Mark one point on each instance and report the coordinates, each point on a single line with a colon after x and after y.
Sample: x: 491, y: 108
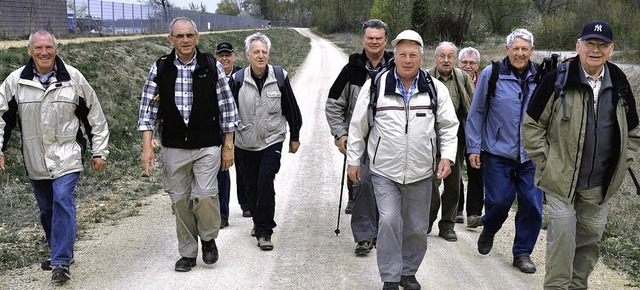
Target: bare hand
x: 474, y: 160
x: 227, y: 158
x: 341, y: 143
x: 98, y: 164
x: 354, y: 172
x: 293, y: 146
x: 148, y: 160
x: 444, y: 168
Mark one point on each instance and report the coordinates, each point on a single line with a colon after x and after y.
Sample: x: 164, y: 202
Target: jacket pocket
x: 272, y: 102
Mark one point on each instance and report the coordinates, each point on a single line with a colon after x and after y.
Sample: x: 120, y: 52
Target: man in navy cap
x: 583, y: 134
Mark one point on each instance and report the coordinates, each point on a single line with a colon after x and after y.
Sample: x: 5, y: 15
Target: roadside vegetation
x: 116, y: 70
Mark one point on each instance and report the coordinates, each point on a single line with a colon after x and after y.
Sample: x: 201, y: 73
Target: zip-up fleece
x: 402, y: 142
x: 50, y: 119
x: 557, y: 144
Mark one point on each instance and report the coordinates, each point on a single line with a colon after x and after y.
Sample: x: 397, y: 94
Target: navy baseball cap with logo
x: 224, y: 47
x: 597, y: 29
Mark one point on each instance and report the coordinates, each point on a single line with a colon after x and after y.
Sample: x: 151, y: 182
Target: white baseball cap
x: 408, y: 35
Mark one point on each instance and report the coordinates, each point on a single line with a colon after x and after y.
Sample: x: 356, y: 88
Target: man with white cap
x: 582, y: 131
x: 411, y: 114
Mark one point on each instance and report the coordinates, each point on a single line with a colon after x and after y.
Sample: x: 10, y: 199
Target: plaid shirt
x: 406, y: 94
x: 184, y: 97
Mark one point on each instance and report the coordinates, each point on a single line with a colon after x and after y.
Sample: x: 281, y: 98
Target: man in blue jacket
x: 494, y: 127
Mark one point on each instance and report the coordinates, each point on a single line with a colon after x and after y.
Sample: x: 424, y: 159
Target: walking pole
x: 344, y: 166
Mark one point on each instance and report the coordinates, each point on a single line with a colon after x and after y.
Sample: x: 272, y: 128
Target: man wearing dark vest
x: 187, y: 95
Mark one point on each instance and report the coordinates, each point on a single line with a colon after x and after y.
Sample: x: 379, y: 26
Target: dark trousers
x: 475, y: 191
x: 224, y: 192
x: 259, y: 170
x: 240, y: 190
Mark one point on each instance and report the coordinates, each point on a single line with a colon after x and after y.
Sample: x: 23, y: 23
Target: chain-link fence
x: 106, y: 17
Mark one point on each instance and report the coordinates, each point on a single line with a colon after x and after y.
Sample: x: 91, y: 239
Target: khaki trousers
x: 190, y: 179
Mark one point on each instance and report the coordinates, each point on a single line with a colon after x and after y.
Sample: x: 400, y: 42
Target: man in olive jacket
x: 582, y: 132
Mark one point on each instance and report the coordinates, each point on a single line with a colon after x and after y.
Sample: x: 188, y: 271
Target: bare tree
x: 550, y: 6
x: 163, y: 5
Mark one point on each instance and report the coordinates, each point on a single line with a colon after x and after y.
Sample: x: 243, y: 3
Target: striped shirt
x: 184, y: 97
x: 406, y: 94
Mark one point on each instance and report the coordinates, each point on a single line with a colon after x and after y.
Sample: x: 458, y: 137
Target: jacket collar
x: 360, y: 59
x: 390, y: 84
x: 62, y: 75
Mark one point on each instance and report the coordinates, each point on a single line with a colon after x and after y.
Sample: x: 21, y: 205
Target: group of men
x: 566, y: 137
x: 403, y: 130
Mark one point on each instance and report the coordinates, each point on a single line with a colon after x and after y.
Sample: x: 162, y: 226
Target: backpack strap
x: 559, y: 92
x: 279, y: 76
x: 373, y: 97
x: 495, y: 70
x: 277, y: 70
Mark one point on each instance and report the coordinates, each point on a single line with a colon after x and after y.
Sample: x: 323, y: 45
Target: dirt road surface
x: 140, y: 252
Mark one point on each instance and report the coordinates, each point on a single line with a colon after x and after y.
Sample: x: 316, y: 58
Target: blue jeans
x: 259, y: 170
x: 56, y: 201
x: 504, y: 180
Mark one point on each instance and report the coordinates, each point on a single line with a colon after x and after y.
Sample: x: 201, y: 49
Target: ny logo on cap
x: 597, y: 28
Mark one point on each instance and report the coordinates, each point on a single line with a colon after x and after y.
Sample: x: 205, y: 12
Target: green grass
x: 116, y: 70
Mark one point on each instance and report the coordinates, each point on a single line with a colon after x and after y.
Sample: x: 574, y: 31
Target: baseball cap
x: 597, y: 29
x: 224, y: 47
x: 408, y: 35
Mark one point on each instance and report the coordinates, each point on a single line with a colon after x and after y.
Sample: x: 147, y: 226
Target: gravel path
x: 139, y: 252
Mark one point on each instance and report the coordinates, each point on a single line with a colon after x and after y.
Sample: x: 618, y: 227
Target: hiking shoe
x: 224, y: 223
x: 349, y: 208
x: 209, y: 252
x: 459, y: 218
x: 485, y: 243
x: 185, y: 264
x: 46, y: 264
x: 524, y: 264
x: 409, y: 282
x: 474, y: 221
x: 246, y: 213
x: 391, y: 286
x: 60, y: 274
x: 448, y: 234
x: 265, y: 243
x: 363, y: 248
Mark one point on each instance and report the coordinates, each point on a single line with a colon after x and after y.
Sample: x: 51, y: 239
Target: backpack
x: 373, y: 96
x: 277, y: 70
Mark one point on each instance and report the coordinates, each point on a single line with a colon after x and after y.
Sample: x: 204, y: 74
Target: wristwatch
x: 228, y: 146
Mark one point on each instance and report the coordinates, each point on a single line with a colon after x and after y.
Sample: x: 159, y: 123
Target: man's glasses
x: 468, y: 62
x: 182, y: 36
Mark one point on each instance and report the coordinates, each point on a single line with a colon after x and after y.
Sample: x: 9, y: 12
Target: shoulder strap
x: 559, y: 92
x: 373, y: 96
x: 279, y: 76
x: 495, y: 70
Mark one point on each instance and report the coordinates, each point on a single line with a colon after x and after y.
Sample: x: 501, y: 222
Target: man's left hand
x: 293, y: 146
x: 444, y: 168
x: 98, y: 164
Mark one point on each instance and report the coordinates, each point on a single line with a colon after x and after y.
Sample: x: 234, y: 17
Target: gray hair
x: 522, y: 34
x: 469, y: 51
x: 455, y: 48
x: 42, y: 31
x: 377, y: 24
x: 256, y: 37
x: 193, y: 24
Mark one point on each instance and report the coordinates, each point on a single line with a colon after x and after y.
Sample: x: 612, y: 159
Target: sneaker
x: 391, y: 286
x: 485, y: 243
x: 409, y: 282
x: 524, y: 264
x: 60, y: 274
x: 349, y: 208
x: 224, y: 223
x: 474, y: 221
x: 46, y: 264
x: 459, y: 218
x: 448, y: 234
x: 185, y: 264
x: 209, y: 252
x: 363, y: 248
x: 265, y: 243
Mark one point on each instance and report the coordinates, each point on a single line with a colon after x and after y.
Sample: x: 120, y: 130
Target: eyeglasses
x: 445, y: 56
x: 594, y: 44
x: 182, y: 36
x: 468, y: 62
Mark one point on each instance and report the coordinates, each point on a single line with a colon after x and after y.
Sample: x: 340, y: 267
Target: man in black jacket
x: 340, y: 104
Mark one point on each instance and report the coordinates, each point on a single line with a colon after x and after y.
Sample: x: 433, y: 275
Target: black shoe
x: 253, y: 231
x: 209, y: 252
x: 46, y: 264
x: 363, y: 248
x: 459, y: 218
x: 60, y: 274
x: 185, y: 264
x: 224, y: 223
x: 409, y: 282
x: 524, y: 264
x: 265, y: 243
x: 391, y: 286
x: 449, y: 235
x: 485, y: 243
x: 246, y: 213
x: 349, y: 208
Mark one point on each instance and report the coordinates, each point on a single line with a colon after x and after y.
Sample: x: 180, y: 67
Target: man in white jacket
x: 402, y: 149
